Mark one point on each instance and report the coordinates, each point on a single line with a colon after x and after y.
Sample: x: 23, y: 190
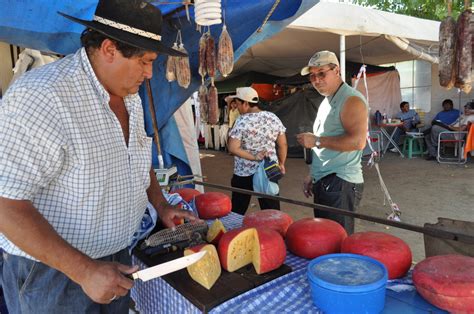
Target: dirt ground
x: 424, y: 190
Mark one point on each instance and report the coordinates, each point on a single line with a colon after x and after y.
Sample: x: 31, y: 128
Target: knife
x: 166, y: 268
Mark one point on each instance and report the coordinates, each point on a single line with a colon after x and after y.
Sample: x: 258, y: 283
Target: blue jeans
x: 336, y: 192
x: 33, y: 287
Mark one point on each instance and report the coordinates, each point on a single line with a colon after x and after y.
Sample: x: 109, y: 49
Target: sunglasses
x: 319, y: 75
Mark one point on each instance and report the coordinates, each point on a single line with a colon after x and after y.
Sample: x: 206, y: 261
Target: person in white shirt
x: 255, y: 135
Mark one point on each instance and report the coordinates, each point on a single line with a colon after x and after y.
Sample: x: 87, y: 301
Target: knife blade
x: 166, y: 268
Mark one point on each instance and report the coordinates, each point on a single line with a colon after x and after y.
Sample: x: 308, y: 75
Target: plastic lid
x: 347, y: 272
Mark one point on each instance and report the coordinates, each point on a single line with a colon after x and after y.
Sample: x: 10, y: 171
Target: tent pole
x: 151, y: 107
x: 342, y: 56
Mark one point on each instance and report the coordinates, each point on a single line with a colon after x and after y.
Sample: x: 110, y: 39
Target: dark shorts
x: 33, y: 287
x: 336, y: 192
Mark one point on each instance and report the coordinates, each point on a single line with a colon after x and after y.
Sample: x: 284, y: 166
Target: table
x: 287, y: 294
x: 389, y: 136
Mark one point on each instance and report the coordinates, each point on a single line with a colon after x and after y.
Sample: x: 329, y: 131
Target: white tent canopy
x: 371, y: 36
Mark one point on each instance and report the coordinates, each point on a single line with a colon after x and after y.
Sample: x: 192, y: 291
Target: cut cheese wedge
x: 262, y: 247
x: 207, y: 270
x: 215, y: 232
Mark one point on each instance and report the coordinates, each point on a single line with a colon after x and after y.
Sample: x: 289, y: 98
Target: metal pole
x: 156, y: 136
x: 437, y: 233
x: 342, y: 56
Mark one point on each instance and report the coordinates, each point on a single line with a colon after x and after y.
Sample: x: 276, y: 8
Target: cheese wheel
x: 262, y: 247
x: 447, y: 281
x: 187, y: 194
x: 269, y: 218
x: 313, y: 237
x: 207, y: 270
x: 391, y: 251
x: 215, y: 232
x: 212, y: 205
x: 269, y: 251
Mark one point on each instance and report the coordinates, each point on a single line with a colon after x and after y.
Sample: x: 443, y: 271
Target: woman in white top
x: 255, y: 135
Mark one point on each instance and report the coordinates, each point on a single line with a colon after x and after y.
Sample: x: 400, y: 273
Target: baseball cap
x: 319, y: 59
x: 246, y: 93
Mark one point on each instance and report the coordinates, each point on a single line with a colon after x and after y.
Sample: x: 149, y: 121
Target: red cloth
x: 268, y: 92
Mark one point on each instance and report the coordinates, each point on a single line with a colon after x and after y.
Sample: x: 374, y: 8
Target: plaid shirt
x: 62, y: 148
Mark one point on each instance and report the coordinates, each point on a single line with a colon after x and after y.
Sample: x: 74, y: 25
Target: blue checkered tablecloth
x: 287, y: 294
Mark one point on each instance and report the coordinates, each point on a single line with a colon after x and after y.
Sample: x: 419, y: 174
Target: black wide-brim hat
x: 134, y: 22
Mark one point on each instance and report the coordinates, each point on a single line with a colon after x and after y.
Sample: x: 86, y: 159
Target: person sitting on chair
x: 410, y: 119
x: 459, y: 125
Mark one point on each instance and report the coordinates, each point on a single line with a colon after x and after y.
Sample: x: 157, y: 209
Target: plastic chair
x: 458, y: 138
x: 413, y: 145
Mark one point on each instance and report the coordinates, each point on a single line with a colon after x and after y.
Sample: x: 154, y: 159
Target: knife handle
x: 130, y: 276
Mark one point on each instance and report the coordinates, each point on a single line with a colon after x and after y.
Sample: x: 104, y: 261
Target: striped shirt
x: 62, y: 148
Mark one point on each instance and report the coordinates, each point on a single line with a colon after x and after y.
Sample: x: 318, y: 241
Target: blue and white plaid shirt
x: 62, y: 148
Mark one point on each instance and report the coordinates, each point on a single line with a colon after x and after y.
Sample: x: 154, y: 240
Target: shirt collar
x: 86, y: 65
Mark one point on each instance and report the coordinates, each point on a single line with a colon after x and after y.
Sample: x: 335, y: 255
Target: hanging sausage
x: 210, y: 56
x: 463, y: 62
x: 202, y: 56
x: 225, y: 53
x: 447, y: 54
x: 183, y: 71
x: 213, y: 107
x: 170, y: 66
x: 202, y: 94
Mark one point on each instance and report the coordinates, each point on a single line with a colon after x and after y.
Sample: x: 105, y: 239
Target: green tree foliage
x: 426, y: 9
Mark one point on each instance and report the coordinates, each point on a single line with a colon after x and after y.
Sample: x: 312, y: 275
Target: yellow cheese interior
x: 207, y: 270
x: 256, y: 254
x: 240, y: 252
x: 214, y: 230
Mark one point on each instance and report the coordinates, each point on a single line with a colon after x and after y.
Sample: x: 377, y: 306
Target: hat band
x: 127, y: 28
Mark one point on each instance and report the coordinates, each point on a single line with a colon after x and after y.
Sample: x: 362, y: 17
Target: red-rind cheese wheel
x: 447, y: 281
x: 187, y: 194
x: 212, y: 205
x: 313, y: 237
x: 270, y: 250
x: 269, y: 218
x: 262, y: 247
x: 391, y: 251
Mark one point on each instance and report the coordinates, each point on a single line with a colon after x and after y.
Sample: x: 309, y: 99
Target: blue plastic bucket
x: 347, y: 283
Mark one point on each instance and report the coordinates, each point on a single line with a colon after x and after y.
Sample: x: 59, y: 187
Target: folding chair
x: 458, y: 138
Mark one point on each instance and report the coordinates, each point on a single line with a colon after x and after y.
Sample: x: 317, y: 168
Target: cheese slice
x: 207, y: 270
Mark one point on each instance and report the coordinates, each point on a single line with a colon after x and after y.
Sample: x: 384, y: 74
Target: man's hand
x: 104, y: 282
x: 308, y: 186
x: 168, y: 213
x: 307, y: 140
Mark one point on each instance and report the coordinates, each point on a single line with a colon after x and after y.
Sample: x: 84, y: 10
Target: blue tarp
x: 35, y: 24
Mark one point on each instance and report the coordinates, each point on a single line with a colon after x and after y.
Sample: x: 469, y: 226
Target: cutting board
x: 229, y: 285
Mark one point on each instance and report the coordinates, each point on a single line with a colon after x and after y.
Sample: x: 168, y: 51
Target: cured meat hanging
x: 202, y: 56
x: 202, y: 93
x: 463, y: 62
x: 447, y: 43
x: 181, y: 64
x: 213, y: 107
x: 183, y: 72
x: 210, y: 56
x: 170, y: 66
x: 225, y: 53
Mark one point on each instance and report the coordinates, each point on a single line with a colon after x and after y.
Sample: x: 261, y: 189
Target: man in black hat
x: 75, y: 168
